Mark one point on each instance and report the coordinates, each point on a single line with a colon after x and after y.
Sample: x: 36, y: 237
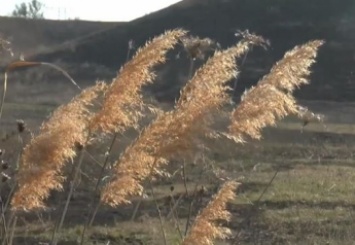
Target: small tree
x: 32, y: 10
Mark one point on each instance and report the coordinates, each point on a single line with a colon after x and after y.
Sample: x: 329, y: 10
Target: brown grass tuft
x: 196, y: 48
x: 174, y: 132
x: 118, y: 111
x: 45, y: 156
x: 271, y: 99
x: 205, y: 230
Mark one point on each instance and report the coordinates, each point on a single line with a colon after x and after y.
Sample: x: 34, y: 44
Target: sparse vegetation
x: 181, y: 198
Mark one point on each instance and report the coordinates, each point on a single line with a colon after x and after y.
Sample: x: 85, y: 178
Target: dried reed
x: 174, y: 132
x: 205, y: 230
x: 120, y: 104
x: 123, y: 97
x: 271, y: 99
x: 70, y: 125
x: 45, y: 156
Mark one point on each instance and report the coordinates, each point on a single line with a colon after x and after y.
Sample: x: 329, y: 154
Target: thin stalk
x: 93, y: 159
x: 159, y: 213
x: 175, y: 206
x: 12, y: 230
x: 184, y: 177
x: 9, y: 198
x: 71, y: 191
x: 191, y: 68
x: 267, y: 187
x: 93, y: 211
x: 5, y: 237
x: 13, y: 187
x: 141, y: 199
x: 192, y: 203
x: 135, y: 211
x: 257, y: 202
x: 190, y: 209
x: 21, y: 141
x: 18, y: 64
x: 90, y: 221
x: 236, y: 80
x: 3, y: 220
x: 176, y: 217
x: 183, y: 166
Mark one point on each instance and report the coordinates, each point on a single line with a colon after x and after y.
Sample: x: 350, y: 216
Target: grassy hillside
x: 285, y: 23
x: 33, y: 36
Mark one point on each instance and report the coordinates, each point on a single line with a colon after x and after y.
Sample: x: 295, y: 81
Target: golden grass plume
x: 205, y: 229
x: 271, y: 99
x: 46, y: 154
x: 173, y: 132
x: 71, y: 124
x: 118, y: 110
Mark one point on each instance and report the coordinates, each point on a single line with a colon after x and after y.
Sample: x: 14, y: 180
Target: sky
x: 96, y: 10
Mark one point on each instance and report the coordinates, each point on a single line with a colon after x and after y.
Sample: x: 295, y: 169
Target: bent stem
x: 17, y: 64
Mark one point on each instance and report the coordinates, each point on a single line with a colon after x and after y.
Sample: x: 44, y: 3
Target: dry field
x: 294, y: 182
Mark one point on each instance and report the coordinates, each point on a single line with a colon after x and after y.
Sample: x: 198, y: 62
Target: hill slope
x: 285, y: 23
x: 30, y: 36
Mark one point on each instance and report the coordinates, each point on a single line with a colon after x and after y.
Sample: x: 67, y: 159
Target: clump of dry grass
x: 174, y: 132
x: 123, y: 97
x: 72, y: 124
x: 197, y: 47
x: 272, y: 98
x: 205, y: 228
x: 45, y: 156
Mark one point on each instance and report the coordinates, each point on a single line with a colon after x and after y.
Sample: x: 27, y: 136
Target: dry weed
x: 271, y: 99
x: 205, y: 228
x: 119, y: 110
x: 174, y: 132
x: 45, y: 156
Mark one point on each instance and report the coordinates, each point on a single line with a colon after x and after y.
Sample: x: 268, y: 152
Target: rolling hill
x: 285, y: 23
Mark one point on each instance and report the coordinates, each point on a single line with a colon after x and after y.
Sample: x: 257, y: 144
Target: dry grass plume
x: 123, y: 97
x: 271, y: 99
x: 205, y: 228
x: 174, y: 132
x: 46, y: 154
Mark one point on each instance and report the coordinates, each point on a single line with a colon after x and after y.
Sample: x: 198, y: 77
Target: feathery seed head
x: 45, y: 156
x: 205, y: 230
x: 271, y: 99
x: 175, y: 132
x: 123, y: 97
x: 291, y: 72
x: 208, y: 83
